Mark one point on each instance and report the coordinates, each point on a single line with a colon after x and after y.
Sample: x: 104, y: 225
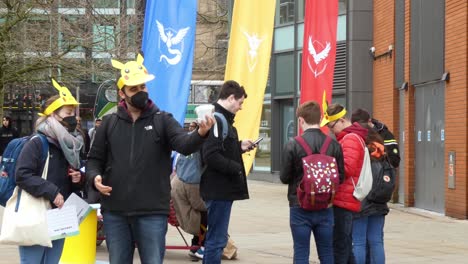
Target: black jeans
x: 342, y: 236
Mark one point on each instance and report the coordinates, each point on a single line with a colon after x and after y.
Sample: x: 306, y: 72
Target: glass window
x: 284, y: 74
x: 36, y: 35
x: 106, y: 4
x: 71, y: 28
x: 132, y: 35
x: 262, y: 156
x: 287, y: 122
x: 130, y: 3
x: 299, y: 72
x: 285, y: 12
x: 341, y: 28
x: 342, y: 7
x: 300, y: 10
x: 284, y: 38
x: 103, y: 37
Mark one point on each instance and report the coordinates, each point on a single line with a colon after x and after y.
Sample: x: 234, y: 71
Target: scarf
x: 69, y: 144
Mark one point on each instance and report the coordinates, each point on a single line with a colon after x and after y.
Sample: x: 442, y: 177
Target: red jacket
x: 353, y: 154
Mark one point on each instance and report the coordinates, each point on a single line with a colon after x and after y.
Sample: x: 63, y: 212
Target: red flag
x: 319, y: 49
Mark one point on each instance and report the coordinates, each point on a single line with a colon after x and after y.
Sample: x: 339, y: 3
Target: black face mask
x: 139, y: 100
x: 69, y: 122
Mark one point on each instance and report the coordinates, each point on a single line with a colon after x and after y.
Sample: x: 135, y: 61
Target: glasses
x: 334, y: 124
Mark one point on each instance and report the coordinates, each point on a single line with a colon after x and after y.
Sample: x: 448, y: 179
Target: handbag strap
x: 43, y: 176
x: 45, y: 171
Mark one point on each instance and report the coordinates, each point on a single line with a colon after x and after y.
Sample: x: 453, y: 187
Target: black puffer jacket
x: 224, y: 177
x: 29, y: 171
x: 134, y: 158
x: 291, y: 166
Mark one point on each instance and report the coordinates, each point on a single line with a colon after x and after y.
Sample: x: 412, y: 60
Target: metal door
x: 430, y: 147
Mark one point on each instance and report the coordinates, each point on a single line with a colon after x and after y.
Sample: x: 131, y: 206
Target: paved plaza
x: 260, y: 228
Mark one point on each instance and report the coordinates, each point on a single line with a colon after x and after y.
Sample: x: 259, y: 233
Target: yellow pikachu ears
x: 326, y: 118
x: 132, y: 73
x: 66, y: 98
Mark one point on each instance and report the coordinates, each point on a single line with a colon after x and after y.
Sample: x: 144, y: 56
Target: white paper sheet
x: 62, y: 222
x: 82, y: 207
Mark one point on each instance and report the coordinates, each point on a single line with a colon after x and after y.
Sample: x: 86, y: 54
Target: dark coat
x: 291, y: 167
x: 224, y: 177
x: 391, y: 145
x: 7, y: 134
x: 29, y: 171
x: 134, y: 158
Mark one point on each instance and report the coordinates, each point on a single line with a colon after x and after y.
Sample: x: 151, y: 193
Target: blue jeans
x: 342, y: 236
x: 40, y: 254
x: 123, y: 232
x: 216, y: 238
x: 368, y: 234
x: 302, y: 224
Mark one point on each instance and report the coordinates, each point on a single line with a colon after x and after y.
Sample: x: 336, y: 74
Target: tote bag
x: 364, y: 184
x: 24, y: 218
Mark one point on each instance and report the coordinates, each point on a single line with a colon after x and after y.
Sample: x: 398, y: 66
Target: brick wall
x: 386, y: 100
x: 456, y: 200
x: 386, y: 97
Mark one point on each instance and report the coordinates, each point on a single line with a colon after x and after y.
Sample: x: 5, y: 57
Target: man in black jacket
x: 391, y: 145
x: 302, y: 222
x: 130, y: 164
x: 7, y: 133
x: 224, y: 179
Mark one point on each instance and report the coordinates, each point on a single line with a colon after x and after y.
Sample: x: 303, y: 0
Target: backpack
x: 224, y: 123
x: 316, y: 190
x: 8, y: 164
x: 364, y: 184
x: 383, y: 182
x: 189, y: 168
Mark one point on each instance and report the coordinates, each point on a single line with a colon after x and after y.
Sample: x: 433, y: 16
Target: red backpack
x: 316, y: 190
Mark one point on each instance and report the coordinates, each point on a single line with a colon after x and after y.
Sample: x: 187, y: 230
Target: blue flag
x: 168, y: 48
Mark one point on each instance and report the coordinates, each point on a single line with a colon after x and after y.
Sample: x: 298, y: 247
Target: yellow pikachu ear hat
x: 132, y: 73
x: 66, y: 98
x: 326, y: 118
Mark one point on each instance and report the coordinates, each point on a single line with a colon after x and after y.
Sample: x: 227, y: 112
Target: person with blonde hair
x: 57, y: 123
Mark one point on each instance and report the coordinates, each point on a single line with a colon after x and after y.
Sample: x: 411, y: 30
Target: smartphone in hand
x: 257, y: 141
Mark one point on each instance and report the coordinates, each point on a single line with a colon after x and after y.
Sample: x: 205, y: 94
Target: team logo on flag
x: 254, y: 44
x: 319, y: 59
x: 174, y: 41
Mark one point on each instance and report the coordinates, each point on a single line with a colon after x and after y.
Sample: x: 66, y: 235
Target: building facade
x: 404, y: 61
x: 421, y: 93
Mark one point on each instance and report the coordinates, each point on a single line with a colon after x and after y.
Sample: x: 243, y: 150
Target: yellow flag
x: 248, y: 62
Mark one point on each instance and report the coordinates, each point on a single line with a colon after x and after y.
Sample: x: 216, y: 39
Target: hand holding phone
x: 257, y: 141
